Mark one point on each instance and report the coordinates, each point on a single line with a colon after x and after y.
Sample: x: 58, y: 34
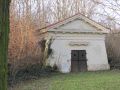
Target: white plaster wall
x: 77, y: 25
x: 96, y: 51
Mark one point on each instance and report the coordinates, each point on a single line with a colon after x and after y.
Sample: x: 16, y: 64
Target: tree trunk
x: 4, y: 35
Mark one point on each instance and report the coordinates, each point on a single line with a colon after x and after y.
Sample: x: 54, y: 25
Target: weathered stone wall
x: 94, y: 44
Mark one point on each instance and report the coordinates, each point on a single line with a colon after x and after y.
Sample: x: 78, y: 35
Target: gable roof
x: 99, y: 27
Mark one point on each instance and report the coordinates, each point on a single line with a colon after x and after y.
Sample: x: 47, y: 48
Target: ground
x: 101, y: 80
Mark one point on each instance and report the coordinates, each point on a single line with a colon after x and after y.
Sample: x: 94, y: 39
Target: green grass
x: 102, y: 80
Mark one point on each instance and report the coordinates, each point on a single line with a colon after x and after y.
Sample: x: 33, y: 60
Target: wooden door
x: 74, y: 60
x: 78, y: 60
x: 82, y: 66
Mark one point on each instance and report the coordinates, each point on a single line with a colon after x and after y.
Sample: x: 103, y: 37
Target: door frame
x: 78, y: 61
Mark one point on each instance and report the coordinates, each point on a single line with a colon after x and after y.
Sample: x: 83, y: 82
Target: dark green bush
x: 114, y: 63
x: 55, y: 68
x: 31, y: 72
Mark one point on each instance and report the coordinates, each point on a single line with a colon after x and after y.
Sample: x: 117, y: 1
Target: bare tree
x: 31, y: 15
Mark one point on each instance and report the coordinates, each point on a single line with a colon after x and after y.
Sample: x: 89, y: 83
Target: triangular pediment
x: 78, y: 23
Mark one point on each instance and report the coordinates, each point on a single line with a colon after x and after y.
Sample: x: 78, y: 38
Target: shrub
x: 30, y: 72
x: 55, y: 68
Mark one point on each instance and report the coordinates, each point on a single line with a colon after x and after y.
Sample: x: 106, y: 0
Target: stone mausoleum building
x: 77, y: 44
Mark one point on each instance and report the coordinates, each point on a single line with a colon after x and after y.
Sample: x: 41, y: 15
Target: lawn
x: 102, y: 80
